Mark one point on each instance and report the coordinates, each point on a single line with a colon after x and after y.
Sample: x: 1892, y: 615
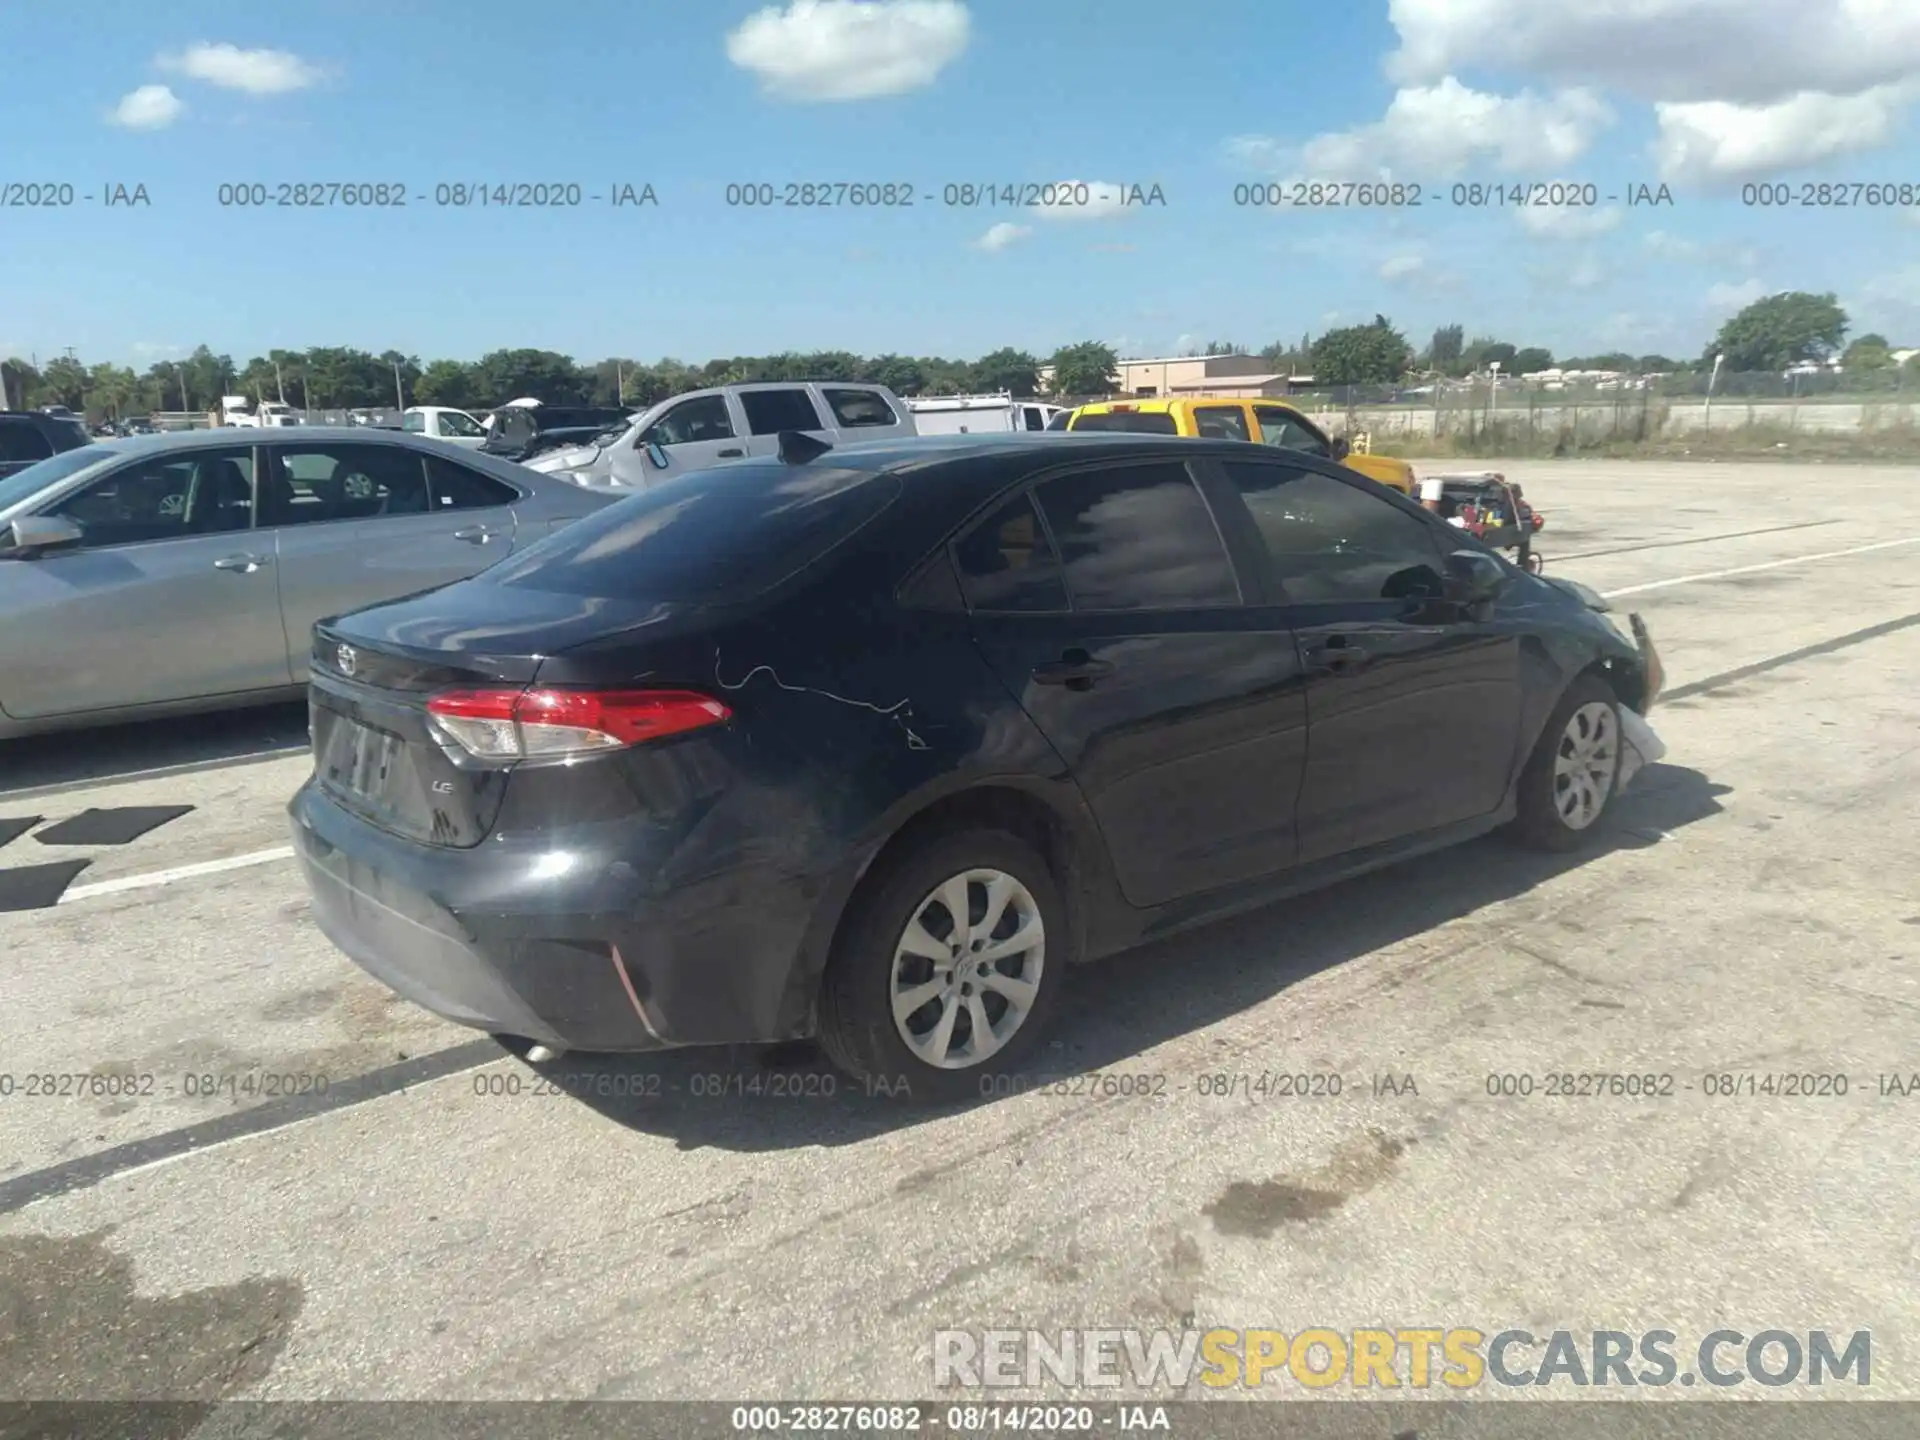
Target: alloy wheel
x: 966, y: 969
x: 1585, y: 763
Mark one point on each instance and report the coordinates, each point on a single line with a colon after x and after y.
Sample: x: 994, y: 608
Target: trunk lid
x: 376, y: 751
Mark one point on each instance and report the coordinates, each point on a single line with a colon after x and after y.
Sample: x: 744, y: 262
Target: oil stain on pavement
x: 73, y: 1327
x: 1257, y: 1208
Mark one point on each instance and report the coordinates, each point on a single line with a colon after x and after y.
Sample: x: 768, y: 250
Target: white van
x: 978, y: 414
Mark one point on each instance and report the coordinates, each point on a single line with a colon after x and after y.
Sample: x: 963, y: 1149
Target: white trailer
x: 978, y: 414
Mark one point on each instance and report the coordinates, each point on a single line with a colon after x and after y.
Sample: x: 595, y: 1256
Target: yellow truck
x: 1264, y: 422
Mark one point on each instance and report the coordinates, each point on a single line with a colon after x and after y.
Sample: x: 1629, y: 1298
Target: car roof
x: 239, y: 436
x: 1167, y: 404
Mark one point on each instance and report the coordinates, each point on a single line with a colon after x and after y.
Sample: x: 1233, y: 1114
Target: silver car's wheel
x: 1585, y: 763
x: 966, y: 970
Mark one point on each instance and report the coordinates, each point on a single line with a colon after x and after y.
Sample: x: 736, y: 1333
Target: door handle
x: 474, y: 534
x: 1076, y: 670
x: 733, y: 453
x: 245, y: 564
x: 1336, y: 655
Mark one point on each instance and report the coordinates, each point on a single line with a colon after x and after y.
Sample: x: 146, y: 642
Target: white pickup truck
x: 978, y: 414
x: 443, y: 422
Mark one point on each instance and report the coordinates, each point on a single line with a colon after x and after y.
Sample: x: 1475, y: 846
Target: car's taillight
x: 541, y: 724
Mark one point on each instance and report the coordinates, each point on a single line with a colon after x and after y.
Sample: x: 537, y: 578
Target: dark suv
x: 520, y: 432
x: 27, y: 437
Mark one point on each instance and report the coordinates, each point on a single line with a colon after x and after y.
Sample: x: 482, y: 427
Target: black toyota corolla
x: 870, y: 744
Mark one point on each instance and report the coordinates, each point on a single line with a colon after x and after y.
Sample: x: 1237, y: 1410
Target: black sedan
x: 870, y: 744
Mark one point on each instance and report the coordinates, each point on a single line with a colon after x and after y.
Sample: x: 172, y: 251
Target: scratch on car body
x: 900, y: 712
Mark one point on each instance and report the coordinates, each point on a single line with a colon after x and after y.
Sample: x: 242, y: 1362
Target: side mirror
x: 657, y: 455
x: 1476, y: 578
x: 1342, y: 448
x: 34, y: 535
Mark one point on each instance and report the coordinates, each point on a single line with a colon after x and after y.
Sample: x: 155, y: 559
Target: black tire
x: 1538, y: 821
x: 857, y: 1028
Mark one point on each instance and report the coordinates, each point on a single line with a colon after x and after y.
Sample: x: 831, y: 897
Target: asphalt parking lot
x: 405, y: 1225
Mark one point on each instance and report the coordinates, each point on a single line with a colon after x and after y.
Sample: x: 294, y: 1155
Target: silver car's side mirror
x: 657, y: 455
x: 33, y: 535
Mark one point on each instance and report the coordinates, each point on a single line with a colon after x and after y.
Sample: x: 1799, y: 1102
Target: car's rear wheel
x: 946, y: 973
x: 1574, y: 771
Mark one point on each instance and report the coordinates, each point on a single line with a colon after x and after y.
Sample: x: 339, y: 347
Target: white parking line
x: 1750, y: 569
x: 179, y: 872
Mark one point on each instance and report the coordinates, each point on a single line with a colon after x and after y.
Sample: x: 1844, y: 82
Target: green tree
x: 1869, y: 352
x: 447, y: 382
x: 1008, y: 369
x: 901, y: 374
x: 64, y: 382
x: 21, y: 383
x: 1781, y: 330
x: 1912, y: 367
x: 1087, y: 368
x: 1449, y: 342
x: 1530, y: 361
x: 1372, y: 354
x: 1657, y: 365
x: 544, y: 375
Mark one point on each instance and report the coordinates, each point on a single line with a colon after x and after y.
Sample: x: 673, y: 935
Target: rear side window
x: 1130, y: 422
x: 21, y: 442
x: 1007, y: 563
x: 1138, y: 538
x: 853, y: 409
x: 771, y: 411
x: 717, y: 535
x: 413, y: 424
x: 1220, y: 422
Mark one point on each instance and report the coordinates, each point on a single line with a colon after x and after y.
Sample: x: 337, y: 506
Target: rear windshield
x: 1131, y: 422
x: 725, y: 534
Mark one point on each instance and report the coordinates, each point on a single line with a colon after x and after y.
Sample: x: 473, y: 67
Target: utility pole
x: 399, y: 399
x: 620, y: 382
x: 279, y: 382
x: 180, y: 374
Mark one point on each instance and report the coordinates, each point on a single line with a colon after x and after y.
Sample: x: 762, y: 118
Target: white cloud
x: 151, y: 107
x: 1912, y: 216
x: 1441, y: 129
x: 1330, y: 317
x: 1673, y: 247
x: 999, y: 237
x: 1724, y: 298
x: 253, y: 72
x: 1749, y: 51
x: 1586, y: 275
x: 850, y: 49
x: 144, y: 347
x: 1401, y: 267
x: 1083, y: 200
x: 1717, y: 141
x: 1555, y: 223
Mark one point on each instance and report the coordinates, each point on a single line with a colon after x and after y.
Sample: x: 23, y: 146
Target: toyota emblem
x: 346, y: 659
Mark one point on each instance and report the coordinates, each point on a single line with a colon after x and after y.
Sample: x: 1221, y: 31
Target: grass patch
x: 1602, y: 441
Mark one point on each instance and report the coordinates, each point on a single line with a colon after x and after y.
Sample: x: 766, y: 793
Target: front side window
x: 459, y: 424
x: 1332, y: 542
x: 771, y: 411
x: 691, y: 421
x: 1138, y: 538
x: 855, y: 409
x: 1035, y: 418
x: 1220, y: 422
x: 1006, y: 562
x: 1284, y: 430
x: 309, y: 483
x: 194, y: 492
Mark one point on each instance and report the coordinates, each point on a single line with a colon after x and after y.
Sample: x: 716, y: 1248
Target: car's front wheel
x: 948, y: 969
x: 1574, y: 771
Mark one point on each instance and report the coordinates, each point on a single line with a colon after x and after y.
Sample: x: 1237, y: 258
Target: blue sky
x: 1704, y: 95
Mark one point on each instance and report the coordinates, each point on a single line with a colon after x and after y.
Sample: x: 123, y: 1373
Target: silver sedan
x: 184, y: 572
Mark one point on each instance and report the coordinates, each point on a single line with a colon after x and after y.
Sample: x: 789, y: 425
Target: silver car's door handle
x: 731, y: 453
x: 245, y: 564
x: 474, y: 534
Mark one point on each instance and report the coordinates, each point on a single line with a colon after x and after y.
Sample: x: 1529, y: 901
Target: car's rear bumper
x: 584, y: 960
